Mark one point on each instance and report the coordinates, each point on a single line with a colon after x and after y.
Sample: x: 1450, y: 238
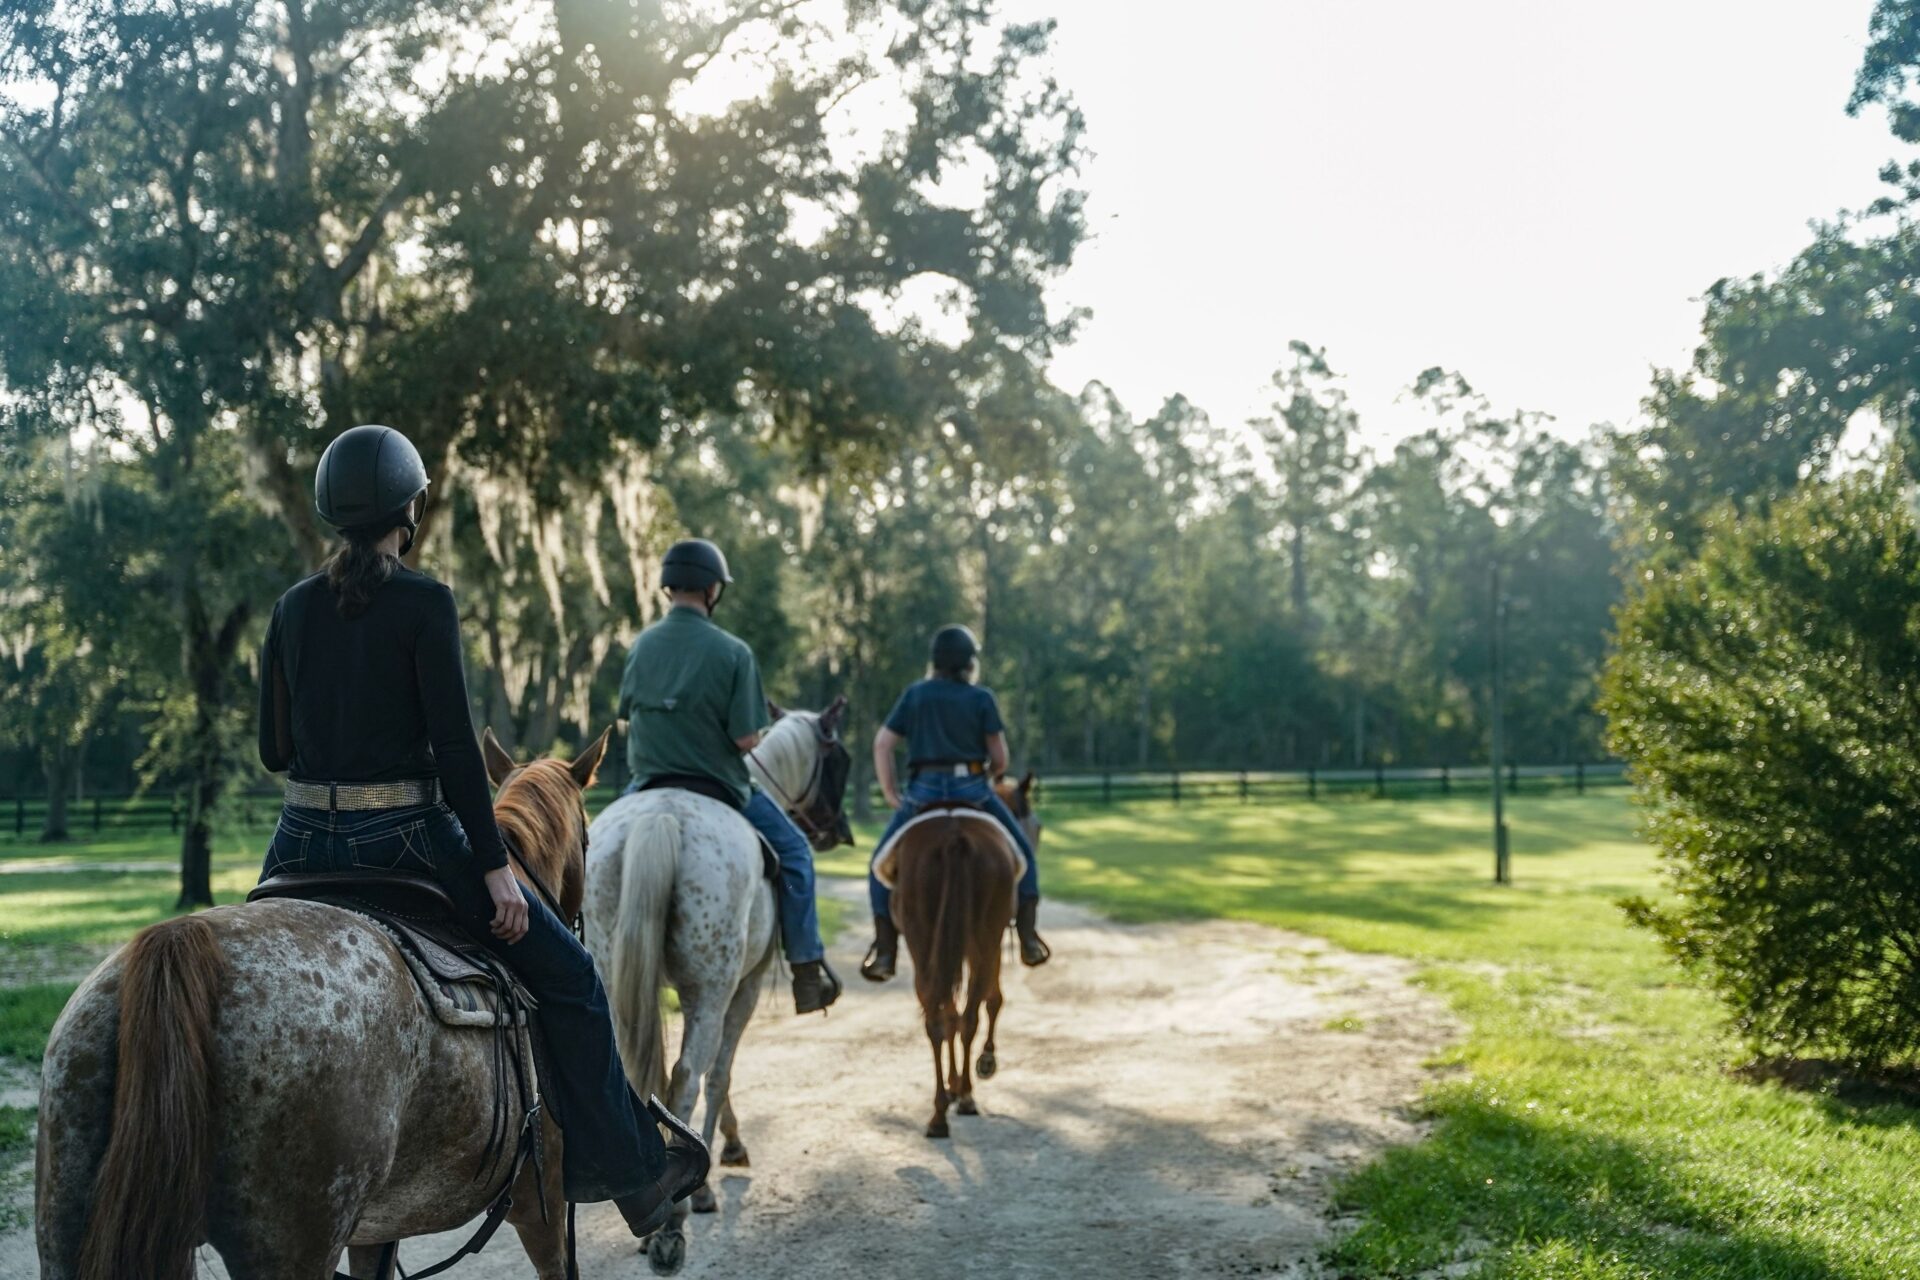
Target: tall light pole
x: 1502, y: 867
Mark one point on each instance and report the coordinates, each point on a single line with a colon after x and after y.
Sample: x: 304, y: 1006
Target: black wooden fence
x: 153, y: 812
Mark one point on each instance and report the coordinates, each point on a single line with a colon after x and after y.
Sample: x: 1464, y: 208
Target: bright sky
x: 1535, y: 194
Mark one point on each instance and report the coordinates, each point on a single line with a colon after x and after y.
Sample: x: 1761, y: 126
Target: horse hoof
x: 937, y: 1128
x: 966, y: 1107
x: 734, y: 1154
x: 987, y: 1065
x: 667, y: 1251
x: 703, y: 1200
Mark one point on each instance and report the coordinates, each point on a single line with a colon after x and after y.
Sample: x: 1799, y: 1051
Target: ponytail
x: 355, y: 570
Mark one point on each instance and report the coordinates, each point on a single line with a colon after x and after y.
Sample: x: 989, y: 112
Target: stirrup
x: 1046, y: 952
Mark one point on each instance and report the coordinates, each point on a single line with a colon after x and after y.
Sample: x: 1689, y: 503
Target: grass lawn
x: 1594, y: 1131
x: 1588, y: 1130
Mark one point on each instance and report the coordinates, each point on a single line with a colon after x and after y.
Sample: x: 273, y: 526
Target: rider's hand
x: 509, y: 905
x: 893, y: 798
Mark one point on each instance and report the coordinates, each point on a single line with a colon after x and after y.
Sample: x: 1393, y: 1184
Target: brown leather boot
x: 684, y: 1169
x: 815, y: 986
x: 1034, y: 952
x: 884, y: 955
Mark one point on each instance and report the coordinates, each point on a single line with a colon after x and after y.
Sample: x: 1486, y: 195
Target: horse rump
x: 953, y: 892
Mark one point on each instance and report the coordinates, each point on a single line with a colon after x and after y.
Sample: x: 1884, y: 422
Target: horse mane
x: 786, y: 753
x: 538, y: 809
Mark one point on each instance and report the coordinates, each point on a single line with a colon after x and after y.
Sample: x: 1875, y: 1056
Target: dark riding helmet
x: 367, y: 480
x: 953, y: 648
x: 694, y: 564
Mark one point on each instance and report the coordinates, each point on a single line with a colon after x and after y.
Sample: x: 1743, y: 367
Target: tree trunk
x: 57, y: 765
x: 209, y: 668
x: 1299, y: 570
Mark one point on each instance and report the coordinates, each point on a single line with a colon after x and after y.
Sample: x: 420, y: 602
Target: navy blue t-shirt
x: 945, y: 721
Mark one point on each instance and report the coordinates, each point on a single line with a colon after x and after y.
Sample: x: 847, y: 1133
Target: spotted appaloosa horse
x: 953, y: 896
x: 266, y: 1079
x: 677, y: 893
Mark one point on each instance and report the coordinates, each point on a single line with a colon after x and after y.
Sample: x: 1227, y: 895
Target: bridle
x: 818, y: 830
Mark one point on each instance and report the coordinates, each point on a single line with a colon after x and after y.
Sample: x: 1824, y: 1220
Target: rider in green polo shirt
x: 693, y: 704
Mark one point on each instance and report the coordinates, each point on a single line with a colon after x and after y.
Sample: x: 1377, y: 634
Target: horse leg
x: 734, y: 1153
x: 699, y: 1047
x: 969, y: 1026
x: 720, y: 1080
x: 937, y: 1037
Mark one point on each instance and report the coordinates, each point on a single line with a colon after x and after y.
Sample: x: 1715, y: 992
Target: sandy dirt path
x: 1178, y: 1098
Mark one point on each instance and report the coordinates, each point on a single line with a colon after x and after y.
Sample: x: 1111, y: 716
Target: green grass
x: 1588, y: 1129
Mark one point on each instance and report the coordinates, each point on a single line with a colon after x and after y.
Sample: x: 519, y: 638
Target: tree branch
x: 690, y: 62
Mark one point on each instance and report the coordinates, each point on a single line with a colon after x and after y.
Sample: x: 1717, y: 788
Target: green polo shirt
x: 691, y: 690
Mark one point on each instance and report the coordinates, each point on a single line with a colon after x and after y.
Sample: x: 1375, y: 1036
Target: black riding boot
x: 685, y: 1168
x: 883, y: 955
x: 1033, y: 951
x: 815, y: 986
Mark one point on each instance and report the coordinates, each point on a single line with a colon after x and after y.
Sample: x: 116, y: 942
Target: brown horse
x: 265, y: 1078
x: 953, y: 895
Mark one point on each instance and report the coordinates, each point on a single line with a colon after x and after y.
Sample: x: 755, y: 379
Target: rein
x: 803, y: 819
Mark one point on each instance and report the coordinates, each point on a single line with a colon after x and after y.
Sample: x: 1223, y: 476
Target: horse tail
x: 648, y: 865
x: 941, y: 881
x: 150, y: 1197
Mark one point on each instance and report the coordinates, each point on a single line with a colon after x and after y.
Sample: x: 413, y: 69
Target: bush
x: 1768, y: 697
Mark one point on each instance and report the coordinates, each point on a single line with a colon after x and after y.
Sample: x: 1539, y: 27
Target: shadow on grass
x: 1552, y: 1198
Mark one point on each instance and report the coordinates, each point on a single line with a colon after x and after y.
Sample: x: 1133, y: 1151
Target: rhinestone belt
x: 362, y: 795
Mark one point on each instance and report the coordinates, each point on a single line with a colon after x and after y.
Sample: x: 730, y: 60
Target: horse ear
x: 586, y: 765
x: 1026, y: 783
x: 773, y: 710
x: 499, y: 763
x: 836, y: 712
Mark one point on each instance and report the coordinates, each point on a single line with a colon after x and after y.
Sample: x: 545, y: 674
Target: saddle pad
x: 883, y: 856
x: 460, y: 992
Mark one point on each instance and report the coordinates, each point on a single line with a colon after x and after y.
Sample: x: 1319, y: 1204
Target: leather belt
x: 958, y: 769
x: 342, y: 796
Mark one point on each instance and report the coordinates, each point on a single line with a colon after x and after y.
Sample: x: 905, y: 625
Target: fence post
x: 1579, y: 777
x: 1379, y: 782
x: 1313, y: 784
x: 1513, y: 775
x: 1106, y: 788
x: 1243, y: 786
x: 173, y: 815
x: 1446, y: 780
x: 96, y: 813
x: 19, y: 815
x: 1176, y: 786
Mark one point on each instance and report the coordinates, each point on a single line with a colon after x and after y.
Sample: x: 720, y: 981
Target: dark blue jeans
x: 926, y: 788
x: 612, y: 1146
x: 799, y: 917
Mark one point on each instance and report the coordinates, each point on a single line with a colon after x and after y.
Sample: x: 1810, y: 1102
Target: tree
x: 1765, y: 694
x: 1309, y: 444
x: 240, y: 227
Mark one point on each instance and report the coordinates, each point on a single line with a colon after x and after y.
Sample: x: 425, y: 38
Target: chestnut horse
x: 953, y: 896
x: 266, y: 1078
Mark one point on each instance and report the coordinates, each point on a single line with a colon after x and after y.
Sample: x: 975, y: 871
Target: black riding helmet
x: 953, y: 648
x: 367, y: 480
x: 694, y: 564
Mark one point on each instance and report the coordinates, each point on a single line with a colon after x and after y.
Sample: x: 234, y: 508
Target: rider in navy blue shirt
x: 956, y: 744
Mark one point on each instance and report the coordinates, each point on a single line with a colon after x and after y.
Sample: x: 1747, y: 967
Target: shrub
x: 1768, y: 697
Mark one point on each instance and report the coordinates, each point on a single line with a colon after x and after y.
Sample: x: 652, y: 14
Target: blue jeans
x: 927, y: 788
x: 612, y: 1145
x: 793, y: 895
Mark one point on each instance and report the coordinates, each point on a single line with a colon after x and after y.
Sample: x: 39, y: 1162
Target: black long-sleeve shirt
x: 377, y: 698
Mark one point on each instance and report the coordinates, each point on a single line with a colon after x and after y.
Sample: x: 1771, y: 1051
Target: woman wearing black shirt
x: 362, y: 692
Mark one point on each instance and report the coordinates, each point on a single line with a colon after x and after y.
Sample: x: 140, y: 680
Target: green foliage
x: 1766, y: 696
